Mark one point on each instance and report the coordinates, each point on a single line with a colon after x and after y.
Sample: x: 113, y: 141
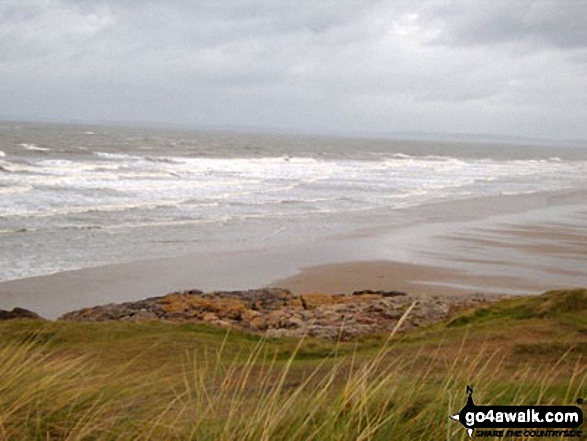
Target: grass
x: 143, y: 381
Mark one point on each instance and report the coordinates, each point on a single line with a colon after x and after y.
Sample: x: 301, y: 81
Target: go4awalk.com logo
x: 518, y: 421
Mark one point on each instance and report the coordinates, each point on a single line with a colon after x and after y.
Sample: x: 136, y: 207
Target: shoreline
x: 448, y: 248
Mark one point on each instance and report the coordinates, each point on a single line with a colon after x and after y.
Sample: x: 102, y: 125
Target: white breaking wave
x: 106, y: 155
x: 34, y: 147
x: 247, y: 188
x: 15, y: 189
x: 123, y: 195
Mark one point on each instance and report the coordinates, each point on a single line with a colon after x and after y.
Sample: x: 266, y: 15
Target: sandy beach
x: 451, y: 248
x: 493, y: 255
x: 387, y: 275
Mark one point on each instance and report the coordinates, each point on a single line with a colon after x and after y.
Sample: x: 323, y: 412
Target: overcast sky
x: 502, y: 67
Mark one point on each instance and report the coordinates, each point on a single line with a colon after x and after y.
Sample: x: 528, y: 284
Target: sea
x: 75, y: 196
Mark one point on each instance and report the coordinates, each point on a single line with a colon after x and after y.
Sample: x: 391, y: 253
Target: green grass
x: 143, y: 381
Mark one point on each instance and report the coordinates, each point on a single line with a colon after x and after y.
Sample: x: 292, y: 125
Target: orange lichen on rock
x: 277, y: 313
x: 226, y: 307
x: 314, y: 300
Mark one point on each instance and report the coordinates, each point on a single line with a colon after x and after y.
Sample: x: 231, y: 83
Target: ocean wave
x: 15, y: 189
x: 63, y: 188
x: 49, y: 212
x: 81, y: 227
x: 285, y: 201
x: 11, y: 167
x: 61, y: 227
x: 164, y: 159
x: 199, y: 203
x: 2, y: 154
x: 15, y: 230
x: 167, y: 223
x: 149, y: 158
x: 34, y: 147
x: 425, y: 157
x: 114, y: 156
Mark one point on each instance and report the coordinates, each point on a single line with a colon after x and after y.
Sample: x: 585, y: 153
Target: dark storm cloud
x: 498, y: 66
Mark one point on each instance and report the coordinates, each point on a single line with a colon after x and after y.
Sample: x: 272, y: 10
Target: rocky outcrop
x: 277, y: 313
x: 19, y: 313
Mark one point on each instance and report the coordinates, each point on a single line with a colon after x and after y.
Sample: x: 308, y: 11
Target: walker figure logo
x: 515, y: 417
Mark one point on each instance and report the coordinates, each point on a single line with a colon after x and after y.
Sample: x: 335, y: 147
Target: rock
x: 311, y: 301
x: 278, y: 313
x: 293, y: 322
x: 259, y: 299
x: 19, y: 313
x: 380, y: 293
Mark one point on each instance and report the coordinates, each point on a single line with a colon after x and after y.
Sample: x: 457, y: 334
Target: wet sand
x: 454, y: 250
x: 523, y: 258
x: 375, y: 275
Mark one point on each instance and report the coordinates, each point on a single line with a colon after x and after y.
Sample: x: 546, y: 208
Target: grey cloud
x: 552, y: 22
x: 333, y: 65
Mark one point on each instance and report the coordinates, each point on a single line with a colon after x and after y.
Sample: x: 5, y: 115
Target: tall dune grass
x: 216, y: 396
x: 235, y: 387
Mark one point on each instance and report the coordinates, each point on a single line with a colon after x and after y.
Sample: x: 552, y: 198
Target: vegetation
x: 156, y: 380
